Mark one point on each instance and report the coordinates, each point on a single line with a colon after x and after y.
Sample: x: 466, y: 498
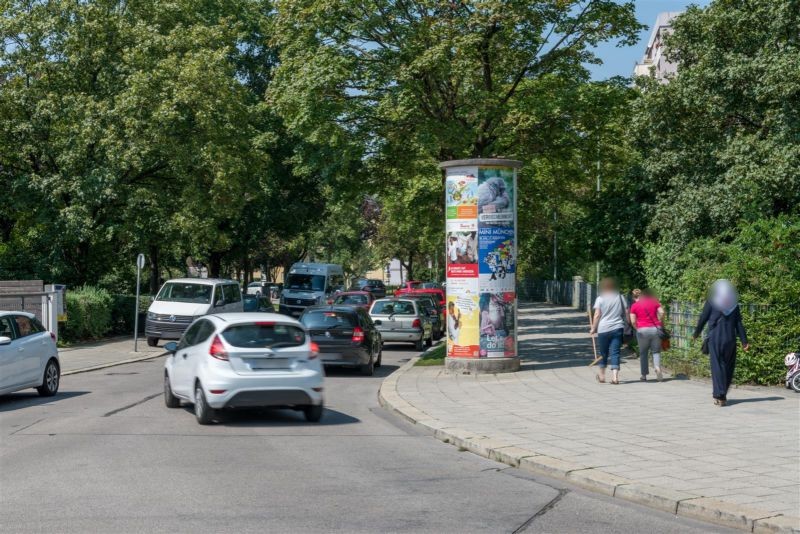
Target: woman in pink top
x: 646, y: 316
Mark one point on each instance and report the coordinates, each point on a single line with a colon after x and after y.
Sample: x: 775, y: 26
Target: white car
x: 238, y: 360
x: 28, y: 355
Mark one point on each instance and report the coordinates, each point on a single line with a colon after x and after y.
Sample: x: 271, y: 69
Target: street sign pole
x: 139, y: 266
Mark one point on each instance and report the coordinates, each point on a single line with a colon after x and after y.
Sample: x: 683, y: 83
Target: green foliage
x: 89, y: 314
x: 762, y: 259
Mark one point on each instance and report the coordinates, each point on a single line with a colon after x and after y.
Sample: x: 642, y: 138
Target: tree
x: 719, y: 141
x: 397, y: 86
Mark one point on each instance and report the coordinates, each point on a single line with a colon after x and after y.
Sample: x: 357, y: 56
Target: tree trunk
x: 214, y: 264
x: 155, y: 271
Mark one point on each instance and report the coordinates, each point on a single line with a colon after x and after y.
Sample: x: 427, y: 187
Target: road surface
x: 106, y: 455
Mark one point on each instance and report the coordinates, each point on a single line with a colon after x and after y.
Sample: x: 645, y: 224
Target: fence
x: 575, y: 293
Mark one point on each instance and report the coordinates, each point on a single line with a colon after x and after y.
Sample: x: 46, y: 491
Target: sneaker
x: 658, y: 375
x: 643, y: 378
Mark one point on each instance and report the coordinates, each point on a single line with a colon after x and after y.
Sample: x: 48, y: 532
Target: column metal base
x: 481, y: 365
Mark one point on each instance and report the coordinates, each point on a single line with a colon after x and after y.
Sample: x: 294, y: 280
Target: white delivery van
x: 308, y: 284
x: 182, y: 300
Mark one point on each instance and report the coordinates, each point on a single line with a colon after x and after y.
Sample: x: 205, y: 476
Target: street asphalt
x: 106, y: 455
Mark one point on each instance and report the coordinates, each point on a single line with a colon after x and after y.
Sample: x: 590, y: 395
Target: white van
x: 308, y: 284
x: 182, y: 300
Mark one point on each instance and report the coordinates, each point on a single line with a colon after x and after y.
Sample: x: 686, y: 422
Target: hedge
x: 93, y: 313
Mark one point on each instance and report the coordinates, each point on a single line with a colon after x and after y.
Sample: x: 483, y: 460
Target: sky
x: 620, y: 61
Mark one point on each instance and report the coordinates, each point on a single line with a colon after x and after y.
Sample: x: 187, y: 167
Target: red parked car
x: 415, y: 287
x: 361, y: 299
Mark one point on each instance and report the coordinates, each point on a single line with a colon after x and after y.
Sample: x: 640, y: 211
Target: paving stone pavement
x: 106, y: 353
x: 668, y: 434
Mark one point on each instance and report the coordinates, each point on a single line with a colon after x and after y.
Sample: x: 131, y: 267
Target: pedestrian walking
x: 610, y: 319
x: 724, y: 318
x: 646, y: 317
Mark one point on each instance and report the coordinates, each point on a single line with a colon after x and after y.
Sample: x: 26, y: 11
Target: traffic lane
x: 101, y: 462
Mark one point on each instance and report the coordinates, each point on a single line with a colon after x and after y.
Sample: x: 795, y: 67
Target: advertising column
x: 481, y: 248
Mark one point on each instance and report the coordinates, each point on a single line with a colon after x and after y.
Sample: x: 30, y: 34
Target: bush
x: 89, y: 314
x: 762, y: 259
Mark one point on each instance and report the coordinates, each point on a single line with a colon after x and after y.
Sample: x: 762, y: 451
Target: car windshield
x: 183, y: 292
x: 376, y: 283
x: 264, y: 335
x: 328, y: 320
x: 393, y: 307
x: 306, y: 282
x: 351, y: 299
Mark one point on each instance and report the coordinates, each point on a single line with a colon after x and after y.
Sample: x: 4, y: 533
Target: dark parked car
x: 376, y: 287
x: 436, y: 314
x: 253, y: 303
x: 346, y: 336
x: 362, y: 299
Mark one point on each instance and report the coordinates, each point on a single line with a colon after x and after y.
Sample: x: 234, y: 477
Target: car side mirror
x: 171, y: 347
x: 378, y: 322
x: 5, y: 340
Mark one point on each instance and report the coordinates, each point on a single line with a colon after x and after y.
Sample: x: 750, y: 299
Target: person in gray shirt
x: 608, y: 324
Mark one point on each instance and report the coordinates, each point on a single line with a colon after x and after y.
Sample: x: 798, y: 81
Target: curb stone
x: 675, y: 502
x: 112, y: 364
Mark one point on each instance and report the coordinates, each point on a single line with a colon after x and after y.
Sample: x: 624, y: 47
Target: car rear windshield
x: 329, y: 320
x: 415, y: 285
x: 351, y: 299
x: 183, y: 292
x: 393, y: 307
x: 264, y: 335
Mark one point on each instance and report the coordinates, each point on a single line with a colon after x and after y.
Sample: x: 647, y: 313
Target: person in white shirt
x: 608, y: 324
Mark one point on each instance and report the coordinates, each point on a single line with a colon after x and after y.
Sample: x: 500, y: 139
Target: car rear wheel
x: 152, y: 341
x: 169, y: 399
x: 50, y: 380
x: 368, y: 369
x: 379, y: 361
x: 313, y: 412
x: 202, y: 411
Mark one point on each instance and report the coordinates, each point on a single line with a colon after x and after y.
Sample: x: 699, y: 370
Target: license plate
x: 269, y: 363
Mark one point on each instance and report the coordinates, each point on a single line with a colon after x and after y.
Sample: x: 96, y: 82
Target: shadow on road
x: 24, y: 399
x: 274, y: 417
x: 346, y: 372
x: 731, y: 402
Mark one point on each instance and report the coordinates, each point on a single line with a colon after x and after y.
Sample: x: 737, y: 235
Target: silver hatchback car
x: 402, y: 320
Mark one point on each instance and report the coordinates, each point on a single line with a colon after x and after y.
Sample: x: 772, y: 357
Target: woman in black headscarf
x: 721, y: 313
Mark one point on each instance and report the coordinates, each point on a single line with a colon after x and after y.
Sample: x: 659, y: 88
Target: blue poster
x: 496, y: 261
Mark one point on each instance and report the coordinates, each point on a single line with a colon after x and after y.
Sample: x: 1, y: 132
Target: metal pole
x: 597, y: 263
x: 555, y: 246
x: 139, y: 265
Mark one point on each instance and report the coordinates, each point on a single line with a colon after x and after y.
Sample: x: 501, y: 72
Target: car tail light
x: 416, y: 324
x: 314, y: 351
x: 217, y: 349
x: 217, y: 391
x: 330, y: 301
x: 265, y: 323
x: 358, y: 335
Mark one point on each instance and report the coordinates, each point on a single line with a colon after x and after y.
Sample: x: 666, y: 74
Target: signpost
x: 139, y: 267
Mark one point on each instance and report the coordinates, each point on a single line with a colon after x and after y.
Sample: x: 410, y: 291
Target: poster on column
x: 497, y: 264
x: 462, y: 318
x: 496, y: 196
x: 497, y: 325
x: 462, y: 249
x: 461, y: 187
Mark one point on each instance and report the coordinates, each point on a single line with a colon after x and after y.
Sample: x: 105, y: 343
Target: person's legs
x: 644, y: 347
x: 729, y: 362
x: 717, y: 373
x: 655, y: 348
x: 603, y: 340
x: 615, y: 343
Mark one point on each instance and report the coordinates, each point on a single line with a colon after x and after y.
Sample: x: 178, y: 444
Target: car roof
x: 206, y: 281
x: 394, y: 299
x: 251, y: 317
x: 367, y: 293
x: 333, y: 307
x: 11, y: 312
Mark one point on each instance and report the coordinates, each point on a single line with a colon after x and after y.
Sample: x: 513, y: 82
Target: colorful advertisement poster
x: 463, y: 317
x: 462, y: 254
x: 497, y: 316
x: 461, y: 188
x: 496, y: 261
x: 496, y: 196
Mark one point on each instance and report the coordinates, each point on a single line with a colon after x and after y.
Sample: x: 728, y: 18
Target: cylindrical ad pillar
x: 481, y: 249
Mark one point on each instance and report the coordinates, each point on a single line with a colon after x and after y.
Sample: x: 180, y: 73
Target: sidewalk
x: 663, y: 445
x: 101, y: 354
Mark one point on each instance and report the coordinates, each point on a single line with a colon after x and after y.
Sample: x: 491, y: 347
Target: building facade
x: 654, y: 62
